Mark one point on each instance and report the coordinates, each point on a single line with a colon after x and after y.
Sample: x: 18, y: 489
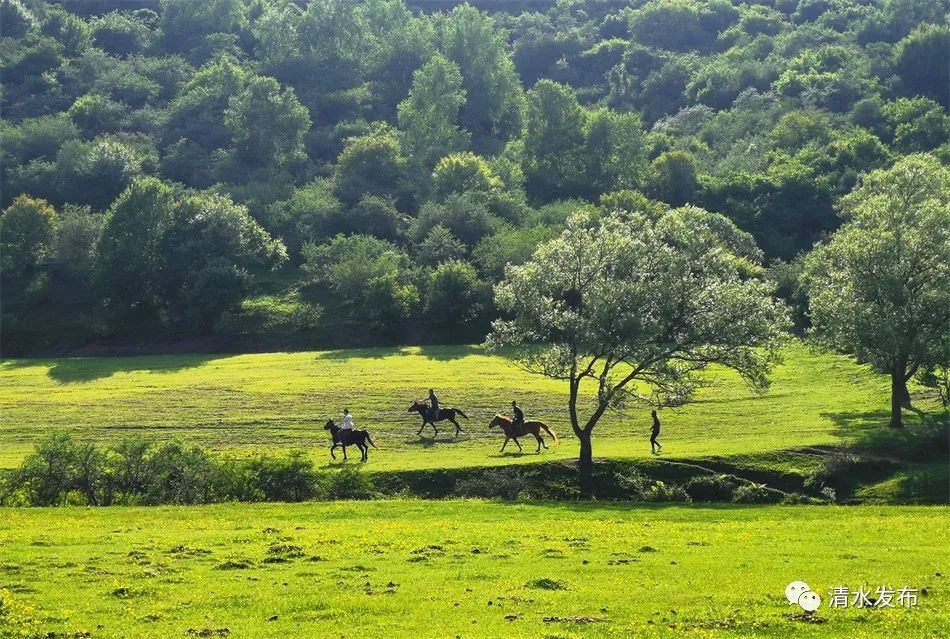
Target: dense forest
x: 240, y: 174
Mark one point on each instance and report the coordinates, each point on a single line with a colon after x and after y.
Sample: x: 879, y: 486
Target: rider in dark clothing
x: 433, y: 405
x: 518, y: 422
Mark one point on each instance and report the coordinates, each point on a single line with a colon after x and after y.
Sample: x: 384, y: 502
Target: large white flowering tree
x: 634, y: 306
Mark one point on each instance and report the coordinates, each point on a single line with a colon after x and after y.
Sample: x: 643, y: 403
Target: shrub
x: 350, y: 483
x: 180, y: 475
x: 662, y: 491
x: 753, y: 493
x: 711, y: 487
x: 269, y: 316
x: 285, y: 479
x: 48, y: 473
x: 503, y: 484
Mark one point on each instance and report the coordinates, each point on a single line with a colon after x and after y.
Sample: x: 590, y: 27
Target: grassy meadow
x: 270, y: 403
x: 394, y: 569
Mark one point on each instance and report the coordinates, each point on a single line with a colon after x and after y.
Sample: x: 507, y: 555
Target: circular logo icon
x: 809, y: 601
x: 794, y: 590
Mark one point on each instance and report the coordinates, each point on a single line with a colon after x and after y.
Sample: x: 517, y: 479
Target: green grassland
x: 394, y: 569
x: 271, y: 403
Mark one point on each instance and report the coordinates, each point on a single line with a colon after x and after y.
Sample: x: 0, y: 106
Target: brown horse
x: 346, y: 438
x: 534, y: 428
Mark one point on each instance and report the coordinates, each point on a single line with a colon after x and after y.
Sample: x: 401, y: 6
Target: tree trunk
x: 585, y: 465
x: 898, y: 388
x: 905, y: 396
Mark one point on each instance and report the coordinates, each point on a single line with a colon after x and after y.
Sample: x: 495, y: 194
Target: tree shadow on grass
x: 449, y: 353
x: 343, y: 354
x: 515, y: 453
x: 429, y: 442
x: 924, y: 437
x: 72, y: 370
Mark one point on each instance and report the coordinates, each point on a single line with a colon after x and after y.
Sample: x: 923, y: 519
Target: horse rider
x: 346, y: 425
x: 433, y: 406
x: 518, y: 422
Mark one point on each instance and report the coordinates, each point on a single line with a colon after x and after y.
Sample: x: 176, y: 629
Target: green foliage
x: 462, y: 173
x: 370, y: 276
x: 405, y: 120
x: 267, y: 125
x: 455, y: 295
x: 312, y: 214
x: 124, y: 33
x: 921, y: 60
x: 75, y: 247
x: 268, y: 317
x: 129, y: 247
x: 466, y: 216
x: 96, y: 114
x: 673, y: 178
x: 508, y: 245
x: 879, y: 287
x: 429, y: 115
x: 553, y: 137
x: 471, y: 39
x: 757, y: 494
x: 208, y: 249
x: 439, y: 245
x: 711, y: 488
x: 186, y: 26
x: 27, y: 230
x: 599, y: 303
x: 372, y: 164
x: 920, y: 124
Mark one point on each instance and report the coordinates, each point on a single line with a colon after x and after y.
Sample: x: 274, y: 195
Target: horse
x: 354, y: 437
x: 534, y: 428
x: 444, y: 413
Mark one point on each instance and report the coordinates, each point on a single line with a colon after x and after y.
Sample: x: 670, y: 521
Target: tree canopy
x: 880, y: 287
x: 462, y: 135
x: 636, y: 306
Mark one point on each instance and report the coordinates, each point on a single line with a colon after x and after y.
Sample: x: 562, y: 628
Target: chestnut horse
x: 534, y: 428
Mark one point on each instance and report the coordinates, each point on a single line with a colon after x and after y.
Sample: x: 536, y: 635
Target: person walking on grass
x: 655, y: 446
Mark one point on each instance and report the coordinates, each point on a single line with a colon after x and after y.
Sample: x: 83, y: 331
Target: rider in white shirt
x: 347, y: 423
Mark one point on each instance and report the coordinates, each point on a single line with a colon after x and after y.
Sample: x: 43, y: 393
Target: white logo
x: 798, y: 592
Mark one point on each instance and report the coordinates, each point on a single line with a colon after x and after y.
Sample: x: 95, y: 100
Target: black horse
x: 344, y: 438
x: 444, y: 413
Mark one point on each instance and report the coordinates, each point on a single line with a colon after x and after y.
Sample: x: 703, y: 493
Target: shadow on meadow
x: 87, y: 369
x: 424, y: 441
x: 435, y: 353
x: 924, y: 438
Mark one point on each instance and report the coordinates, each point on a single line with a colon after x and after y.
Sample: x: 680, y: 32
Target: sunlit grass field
x: 471, y: 569
x: 270, y: 403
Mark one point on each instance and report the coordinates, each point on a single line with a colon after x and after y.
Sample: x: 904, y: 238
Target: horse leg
x: 505, y: 444
x: 540, y: 441
x: 520, y: 449
x: 344, y: 452
x: 458, y: 429
x: 363, y: 456
x: 421, y: 427
x: 331, y: 451
x: 436, y: 433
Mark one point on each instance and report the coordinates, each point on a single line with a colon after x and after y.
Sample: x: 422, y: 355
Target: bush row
x: 135, y: 471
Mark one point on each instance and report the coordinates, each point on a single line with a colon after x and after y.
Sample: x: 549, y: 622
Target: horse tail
x: 459, y: 411
x: 370, y: 440
x: 549, y: 431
